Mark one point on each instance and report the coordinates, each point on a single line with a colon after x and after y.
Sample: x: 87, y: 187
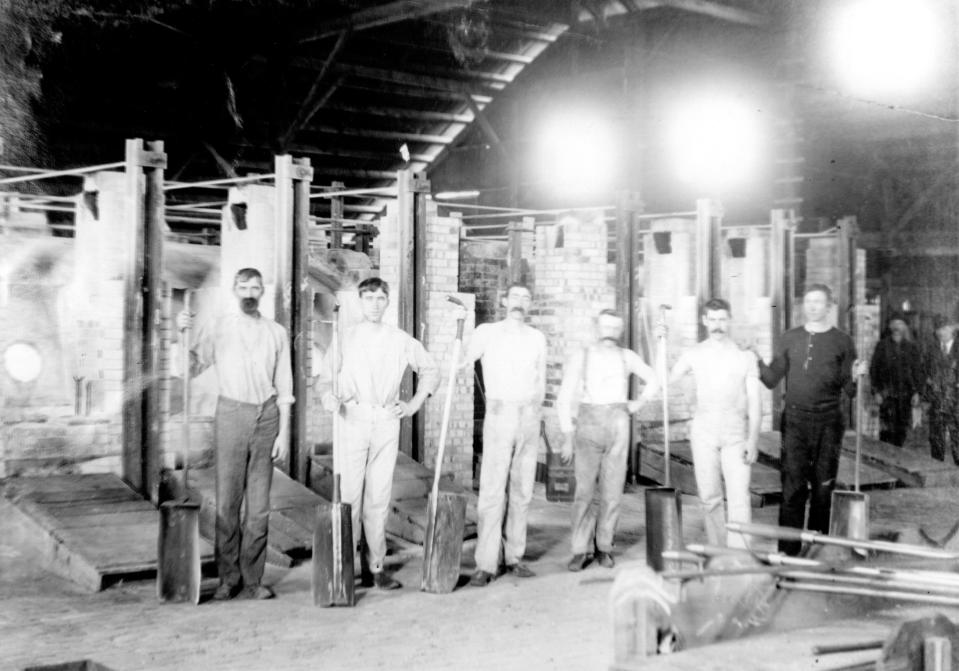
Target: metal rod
x: 216, y: 183
x: 860, y: 404
x: 388, y: 190
x: 787, y: 533
x: 870, y: 581
x: 194, y: 206
x: 664, y: 371
x: 663, y: 215
x: 847, y: 647
x: 24, y: 207
x: 878, y: 593
x: 38, y: 196
x: 50, y: 174
x: 526, y: 213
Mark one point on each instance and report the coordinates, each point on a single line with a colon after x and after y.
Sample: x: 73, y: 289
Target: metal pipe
x: 786, y: 533
x: 860, y: 591
x: 388, y: 190
x: 216, y: 183
x: 50, y: 174
x: 870, y: 581
x: 663, y: 215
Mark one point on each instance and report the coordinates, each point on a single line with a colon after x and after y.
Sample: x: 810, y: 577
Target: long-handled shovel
x: 445, y: 511
x: 664, y: 510
x: 849, y: 511
x: 333, y: 534
x: 178, y: 544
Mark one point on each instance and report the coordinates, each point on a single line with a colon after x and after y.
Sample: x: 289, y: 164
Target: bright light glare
x: 884, y: 46
x: 23, y: 362
x: 576, y: 154
x: 716, y: 142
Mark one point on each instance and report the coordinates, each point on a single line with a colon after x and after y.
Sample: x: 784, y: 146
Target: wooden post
x: 514, y: 244
x: 283, y: 232
x: 301, y: 336
x: 844, y: 289
x: 140, y: 422
x: 708, y: 239
x: 779, y: 287
x: 627, y: 206
x: 336, y: 217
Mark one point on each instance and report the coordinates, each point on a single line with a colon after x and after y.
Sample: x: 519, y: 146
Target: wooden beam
x: 383, y: 15
x: 417, y: 80
x: 283, y: 238
x: 487, y: 128
x: 315, y: 100
x: 443, y: 48
x: 301, y: 334
x: 401, y: 113
x: 154, y: 231
x: 336, y: 213
x: 425, y: 138
x: 400, y: 90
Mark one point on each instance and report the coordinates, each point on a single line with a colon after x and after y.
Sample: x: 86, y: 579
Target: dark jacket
x: 896, y: 369
x: 942, y: 377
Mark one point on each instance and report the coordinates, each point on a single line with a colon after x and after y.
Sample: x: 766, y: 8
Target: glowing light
x: 456, y: 195
x: 884, y: 46
x: 716, y: 141
x: 23, y: 362
x: 576, y: 154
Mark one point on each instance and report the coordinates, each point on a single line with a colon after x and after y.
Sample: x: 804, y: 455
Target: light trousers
x: 600, y: 443
x: 510, y: 445
x: 718, y: 441
x: 369, y: 443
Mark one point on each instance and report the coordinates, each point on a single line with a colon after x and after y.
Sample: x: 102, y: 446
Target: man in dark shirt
x: 817, y: 361
x: 895, y: 374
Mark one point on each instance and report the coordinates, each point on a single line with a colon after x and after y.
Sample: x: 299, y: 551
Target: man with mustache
x: 819, y: 363
x: 252, y: 358
x: 724, y: 432
x: 373, y: 359
x: 513, y: 355
x: 596, y: 381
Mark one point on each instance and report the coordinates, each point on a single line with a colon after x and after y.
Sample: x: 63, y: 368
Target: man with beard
x: 895, y: 374
x: 374, y: 358
x: 724, y: 433
x: 513, y: 356
x: 252, y: 358
x: 818, y: 362
x: 596, y: 379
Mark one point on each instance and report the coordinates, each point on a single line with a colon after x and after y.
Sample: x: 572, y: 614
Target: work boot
x: 386, y: 582
x: 257, y: 593
x: 225, y: 592
x: 605, y: 559
x: 578, y: 562
x: 481, y: 578
x: 520, y: 570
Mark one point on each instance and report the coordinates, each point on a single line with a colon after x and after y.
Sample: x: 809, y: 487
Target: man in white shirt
x: 594, y: 408
x: 252, y: 358
x: 513, y: 355
x: 374, y: 357
x: 724, y: 433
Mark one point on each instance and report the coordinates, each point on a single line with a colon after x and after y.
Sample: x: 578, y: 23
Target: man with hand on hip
x: 374, y: 357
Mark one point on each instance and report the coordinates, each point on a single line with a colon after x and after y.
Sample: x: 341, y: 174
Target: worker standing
x: 593, y: 407
x: 818, y: 362
x: 251, y: 428
x: 513, y: 356
x: 724, y: 432
x: 374, y: 358
x: 895, y: 375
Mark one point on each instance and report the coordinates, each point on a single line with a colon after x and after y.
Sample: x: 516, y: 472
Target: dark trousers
x: 943, y: 429
x: 894, y: 416
x: 810, y: 460
x: 245, y: 434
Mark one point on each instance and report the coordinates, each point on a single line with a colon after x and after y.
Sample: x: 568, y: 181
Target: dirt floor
x: 557, y: 620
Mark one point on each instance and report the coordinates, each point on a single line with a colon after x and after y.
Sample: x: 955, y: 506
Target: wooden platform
x: 94, y: 528
x: 764, y: 486
x: 412, y: 483
x: 910, y: 464
x: 292, y: 514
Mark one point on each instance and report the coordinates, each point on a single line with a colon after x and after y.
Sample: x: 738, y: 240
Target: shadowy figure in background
x: 940, y: 391
x: 895, y: 374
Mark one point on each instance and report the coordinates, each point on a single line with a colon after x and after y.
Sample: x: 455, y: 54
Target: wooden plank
x: 111, y: 518
x: 770, y: 447
x: 100, y: 495
x: 913, y: 466
x: 61, y: 483
x: 64, y: 512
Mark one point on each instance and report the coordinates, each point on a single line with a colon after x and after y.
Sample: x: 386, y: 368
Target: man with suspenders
x: 593, y: 407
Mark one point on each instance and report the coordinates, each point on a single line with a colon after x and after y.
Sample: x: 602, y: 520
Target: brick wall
x: 571, y: 285
x: 442, y: 280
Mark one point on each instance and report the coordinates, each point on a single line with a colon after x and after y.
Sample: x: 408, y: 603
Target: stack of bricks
x: 483, y: 272
x: 571, y: 287
x: 441, y: 280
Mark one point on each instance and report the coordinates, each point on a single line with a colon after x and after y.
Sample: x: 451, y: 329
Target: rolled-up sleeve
x: 283, y: 372
x: 423, y: 363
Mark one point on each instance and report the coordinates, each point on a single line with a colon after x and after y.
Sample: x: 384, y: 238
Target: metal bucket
x: 849, y: 515
x: 664, y: 526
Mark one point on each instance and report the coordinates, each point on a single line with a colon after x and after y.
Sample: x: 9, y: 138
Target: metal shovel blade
x: 664, y: 525
x: 443, y: 543
x: 333, y: 556
x: 849, y: 515
x: 178, y: 552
